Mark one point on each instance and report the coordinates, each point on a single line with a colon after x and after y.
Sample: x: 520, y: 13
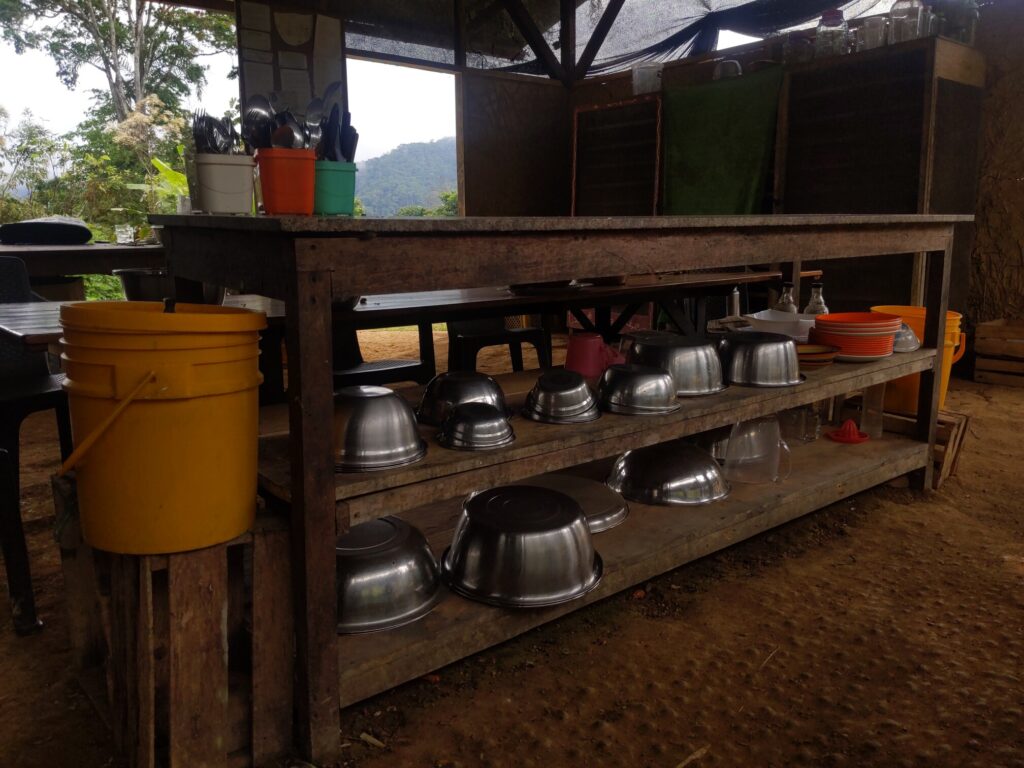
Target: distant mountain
x: 410, y: 174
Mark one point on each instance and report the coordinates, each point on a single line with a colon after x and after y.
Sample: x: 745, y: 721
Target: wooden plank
x: 272, y: 648
x: 1005, y: 379
x: 528, y: 29
x: 313, y: 528
x: 1000, y: 347
x: 1003, y: 366
x: 1000, y: 329
x: 960, y: 63
x: 145, y: 756
x: 651, y: 541
x: 471, y: 261
x: 198, y: 654
x: 81, y: 590
x: 90, y: 259
x: 573, y: 444
x: 937, y: 299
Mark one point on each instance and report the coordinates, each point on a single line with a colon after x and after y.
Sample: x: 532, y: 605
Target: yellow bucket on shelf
x: 165, y: 415
x: 901, y: 394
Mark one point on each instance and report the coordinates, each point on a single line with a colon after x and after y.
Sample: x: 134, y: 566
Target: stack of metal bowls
x: 603, y: 507
x: 637, y: 390
x: 561, y: 397
x: 374, y: 429
x: 693, y: 364
x: 475, y: 427
x: 521, y: 546
x: 669, y: 474
x: 448, y: 390
x: 387, y: 576
x: 761, y: 359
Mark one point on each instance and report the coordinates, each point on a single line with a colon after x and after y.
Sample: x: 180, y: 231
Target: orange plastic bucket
x: 287, y: 180
x: 901, y: 394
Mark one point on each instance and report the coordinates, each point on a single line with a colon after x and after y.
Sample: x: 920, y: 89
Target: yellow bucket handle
x: 87, y: 443
x: 961, y: 347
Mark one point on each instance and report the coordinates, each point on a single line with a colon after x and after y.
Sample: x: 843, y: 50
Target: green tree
x: 141, y: 47
x: 449, y: 206
x: 29, y: 156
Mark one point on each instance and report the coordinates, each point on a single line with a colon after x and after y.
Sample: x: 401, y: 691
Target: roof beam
x: 218, y: 6
x: 604, y: 24
x: 528, y: 29
x: 567, y: 37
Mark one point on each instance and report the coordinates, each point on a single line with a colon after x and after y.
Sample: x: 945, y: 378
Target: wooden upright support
x: 310, y: 395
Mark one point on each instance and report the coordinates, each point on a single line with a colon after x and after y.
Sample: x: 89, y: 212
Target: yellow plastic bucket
x: 164, y: 413
x: 901, y: 394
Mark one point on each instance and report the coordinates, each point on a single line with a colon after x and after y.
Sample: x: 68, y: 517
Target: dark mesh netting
x: 643, y: 30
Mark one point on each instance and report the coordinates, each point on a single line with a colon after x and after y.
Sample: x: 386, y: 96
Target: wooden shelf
x: 544, y: 447
x: 651, y: 541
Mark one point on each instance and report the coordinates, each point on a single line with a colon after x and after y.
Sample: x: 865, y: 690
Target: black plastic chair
x: 26, y: 386
x: 467, y: 337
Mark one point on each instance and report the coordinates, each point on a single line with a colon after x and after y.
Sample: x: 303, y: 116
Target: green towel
x: 719, y: 143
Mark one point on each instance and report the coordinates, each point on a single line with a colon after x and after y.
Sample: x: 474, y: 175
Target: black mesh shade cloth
x: 643, y: 30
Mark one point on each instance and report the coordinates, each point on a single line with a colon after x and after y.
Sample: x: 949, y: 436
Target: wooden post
x: 459, y: 30
x: 313, y: 531
x: 597, y: 37
x: 567, y: 38
x: 936, y: 301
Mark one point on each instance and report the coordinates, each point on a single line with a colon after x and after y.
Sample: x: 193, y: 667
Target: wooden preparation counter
x: 312, y: 262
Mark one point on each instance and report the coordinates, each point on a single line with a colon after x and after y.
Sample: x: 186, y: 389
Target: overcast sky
x: 390, y: 105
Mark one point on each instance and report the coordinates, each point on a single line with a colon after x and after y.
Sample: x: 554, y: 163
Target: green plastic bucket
x: 335, y: 188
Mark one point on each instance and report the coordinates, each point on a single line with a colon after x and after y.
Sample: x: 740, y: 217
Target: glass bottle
x: 816, y: 305
x: 958, y: 19
x: 786, y: 303
x: 832, y: 36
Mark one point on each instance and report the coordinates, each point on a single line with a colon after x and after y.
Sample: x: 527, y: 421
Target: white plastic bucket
x: 225, y: 183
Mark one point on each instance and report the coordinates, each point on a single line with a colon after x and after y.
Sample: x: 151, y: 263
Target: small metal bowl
x: 603, y: 507
x: 590, y: 414
x: 560, y: 394
x: 475, y: 427
x: 387, y: 576
x: 761, y: 359
x: 639, y: 390
x: 447, y: 390
x: 669, y: 474
x: 519, y: 546
x: 374, y: 429
x: 693, y: 364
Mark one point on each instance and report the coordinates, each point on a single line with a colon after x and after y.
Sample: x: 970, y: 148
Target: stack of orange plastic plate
x: 860, y: 336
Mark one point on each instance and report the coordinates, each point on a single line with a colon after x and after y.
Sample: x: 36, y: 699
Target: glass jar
x: 816, y: 305
x: 957, y: 19
x: 786, y: 302
x: 832, y: 38
x: 905, y: 20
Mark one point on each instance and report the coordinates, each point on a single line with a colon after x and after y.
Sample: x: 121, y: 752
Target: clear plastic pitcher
x: 757, y: 453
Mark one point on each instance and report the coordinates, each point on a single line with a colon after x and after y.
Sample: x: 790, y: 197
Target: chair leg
x: 515, y: 350
x: 12, y: 540
x: 544, y: 352
x: 64, y: 429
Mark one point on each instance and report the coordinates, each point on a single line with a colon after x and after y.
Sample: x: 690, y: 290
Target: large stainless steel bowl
x: 603, y: 507
x: 521, y: 546
x: 561, y: 397
x: 693, y: 364
x: 476, y: 427
x: 669, y: 474
x: 638, y: 390
x: 447, y: 390
x: 387, y: 576
x: 761, y: 359
x: 374, y: 429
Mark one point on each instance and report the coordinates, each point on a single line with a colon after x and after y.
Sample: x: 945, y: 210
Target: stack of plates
x: 860, y: 336
x: 813, y: 356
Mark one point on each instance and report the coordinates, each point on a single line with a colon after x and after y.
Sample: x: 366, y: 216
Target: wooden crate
x: 189, y: 657
x: 950, y: 431
x: 999, y: 346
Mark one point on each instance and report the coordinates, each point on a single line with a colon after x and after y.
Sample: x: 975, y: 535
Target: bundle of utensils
x: 213, y: 136
x: 332, y: 136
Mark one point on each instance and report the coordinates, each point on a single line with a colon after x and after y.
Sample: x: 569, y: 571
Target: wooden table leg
x: 936, y: 300
x: 310, y: 395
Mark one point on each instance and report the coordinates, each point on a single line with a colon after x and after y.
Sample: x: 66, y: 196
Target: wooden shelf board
x: 652, y: 541
x: 544, y: 447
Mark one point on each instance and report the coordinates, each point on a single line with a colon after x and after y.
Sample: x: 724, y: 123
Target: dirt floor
x: 887, y: 630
